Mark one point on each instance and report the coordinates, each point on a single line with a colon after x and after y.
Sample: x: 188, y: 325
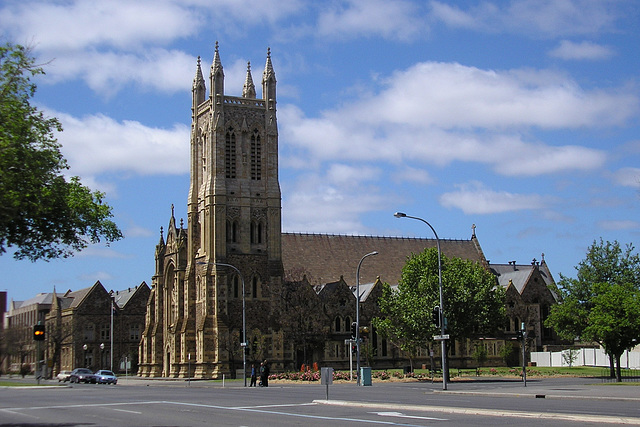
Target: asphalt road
x: 133, y: 402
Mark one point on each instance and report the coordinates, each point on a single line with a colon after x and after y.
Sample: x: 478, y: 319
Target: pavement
x: 536, y: 388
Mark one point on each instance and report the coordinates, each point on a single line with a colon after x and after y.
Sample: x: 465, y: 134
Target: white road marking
x: 124, y: 410
x: 401, y: 415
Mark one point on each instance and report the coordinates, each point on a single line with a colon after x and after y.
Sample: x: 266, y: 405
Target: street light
x: 358, y: 316
x: 244, y: 318
x: 443, y: 344
x: 85, y: 347
x: 101, y: 355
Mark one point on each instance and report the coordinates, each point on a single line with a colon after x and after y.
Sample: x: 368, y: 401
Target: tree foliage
x: 42, y: 214
x: 602, y: 304
x: 473, y: 301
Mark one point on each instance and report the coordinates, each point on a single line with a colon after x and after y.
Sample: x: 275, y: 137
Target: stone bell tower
x: 234, y: 220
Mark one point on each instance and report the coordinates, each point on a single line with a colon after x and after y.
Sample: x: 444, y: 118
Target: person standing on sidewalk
x: 264, y: 374
x: 253, y: 375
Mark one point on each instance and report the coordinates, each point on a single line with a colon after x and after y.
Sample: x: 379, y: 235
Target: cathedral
x: 233, y: 220
x: 231, y: 282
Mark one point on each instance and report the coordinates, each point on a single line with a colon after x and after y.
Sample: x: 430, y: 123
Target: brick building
x: 73, y: 320
x: 79, y: 328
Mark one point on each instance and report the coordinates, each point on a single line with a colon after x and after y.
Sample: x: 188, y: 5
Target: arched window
x: 256, y: 156
x: 254, y: 288
x: 347, y: 323
x: 233, y: 284
x: 234, y: 232
x: 338, y: 323
x: 230, y: 154
x: 256, y: 232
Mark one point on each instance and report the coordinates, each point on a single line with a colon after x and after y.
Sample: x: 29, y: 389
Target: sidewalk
x: 547, y: 388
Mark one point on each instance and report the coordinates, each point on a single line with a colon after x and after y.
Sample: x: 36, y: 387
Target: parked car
x: 106, y: 377
x: 63, y: 376
x: 82, y: 375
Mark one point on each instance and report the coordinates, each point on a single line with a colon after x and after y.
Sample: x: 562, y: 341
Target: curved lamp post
x: 85, y: 348
x: 244, y: 318
x: 101, y: 355
x: 358, y: 316
x: 443, y: 344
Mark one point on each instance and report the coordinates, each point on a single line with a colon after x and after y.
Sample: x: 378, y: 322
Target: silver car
x: 106, y: 377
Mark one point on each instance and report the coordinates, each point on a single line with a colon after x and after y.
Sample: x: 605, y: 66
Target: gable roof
x: 519, y: 274
x: 74, y: 298
x: 121, y: 298
x: 327, y: 257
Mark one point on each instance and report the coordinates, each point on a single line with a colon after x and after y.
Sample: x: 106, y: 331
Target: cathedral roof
x: 326, y: 257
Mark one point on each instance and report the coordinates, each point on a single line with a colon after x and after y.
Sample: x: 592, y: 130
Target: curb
x: 603, y: 419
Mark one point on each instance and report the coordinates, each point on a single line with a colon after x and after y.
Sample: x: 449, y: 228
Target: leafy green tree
x: 473, y: 302
x: 42, y: 214
x: 602, y: 304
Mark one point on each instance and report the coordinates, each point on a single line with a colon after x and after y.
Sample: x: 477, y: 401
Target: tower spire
x: 268, y: 68
x: 216, y: 65
x: 198, y: 89
x: 269, y: 83
x: 249, y: 89
x: 217, y: 77
x: 198, y: 79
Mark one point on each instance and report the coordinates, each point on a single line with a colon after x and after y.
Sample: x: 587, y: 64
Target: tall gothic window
x: 235, y: 288
x: 230, y: 154
x: 254, y: 288
x: 257, y: 232
x: 256, y: 156
x: 232, y: 231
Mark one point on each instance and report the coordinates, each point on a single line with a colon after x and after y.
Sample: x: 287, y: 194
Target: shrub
x: 25, y: 369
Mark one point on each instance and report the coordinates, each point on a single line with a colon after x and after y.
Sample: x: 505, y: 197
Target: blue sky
x: 520, y: 117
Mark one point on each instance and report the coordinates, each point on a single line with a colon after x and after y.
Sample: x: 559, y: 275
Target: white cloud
x: 97, y: 144
x: 614, y: 225
x: 627, y: 177
x: 475, y: 198
x: 137, y: 231
x: 454, y: 16
x: 453, y: 95
x: 397, y: 20
x: 114, y: 43
x: 318, y: 203
x: 439, y: 113
x: 106, y: 73
x: 75, y: 25
x: 410, y: 174
x: 580, y: 51
x: 537, y: 18
x: 349, y: 176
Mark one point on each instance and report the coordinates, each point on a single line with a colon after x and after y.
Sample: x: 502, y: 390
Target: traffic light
x: 436, y: 316
x: 38, y: 332
x: 354, y: 327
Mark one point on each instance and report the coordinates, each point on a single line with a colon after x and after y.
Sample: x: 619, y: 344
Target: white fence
x: 584, y: 357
